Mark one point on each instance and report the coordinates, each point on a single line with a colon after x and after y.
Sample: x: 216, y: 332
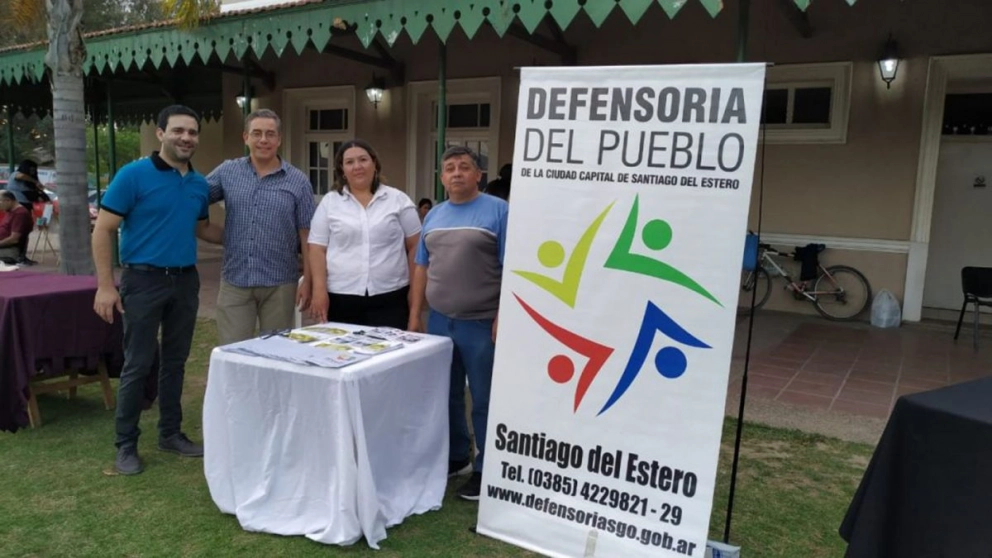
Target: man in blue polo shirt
x: 160, y: 205
x: 459, y: 271
x: 268, y: 206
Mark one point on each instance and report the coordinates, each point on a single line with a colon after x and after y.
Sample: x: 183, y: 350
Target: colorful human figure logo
x: 670, y: 362
x: 561, y: 369
x: 551, y: 254
x: 657, y: 235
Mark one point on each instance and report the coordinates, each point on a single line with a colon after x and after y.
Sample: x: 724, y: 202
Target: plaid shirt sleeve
x: 216, y: 185
x: 305, y: 208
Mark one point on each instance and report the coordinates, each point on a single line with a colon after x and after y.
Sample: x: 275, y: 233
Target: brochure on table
x: 326, y: 345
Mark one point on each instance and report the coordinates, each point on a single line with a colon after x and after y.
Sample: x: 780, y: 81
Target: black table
x: 928, y: 489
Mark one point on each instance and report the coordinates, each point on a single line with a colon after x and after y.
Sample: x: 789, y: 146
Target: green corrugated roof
x: 294, y: 26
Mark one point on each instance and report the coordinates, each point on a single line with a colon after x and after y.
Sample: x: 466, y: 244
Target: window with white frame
x: 807, y: 103
x: 472, y: 121
x: 468, y: 126
x: 327, y: 129
x: 322, y: 119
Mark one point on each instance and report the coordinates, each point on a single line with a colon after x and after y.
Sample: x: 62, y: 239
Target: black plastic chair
x: 976, y: 282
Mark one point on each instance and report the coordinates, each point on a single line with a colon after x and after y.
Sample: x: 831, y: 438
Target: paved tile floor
x: 855, y: 369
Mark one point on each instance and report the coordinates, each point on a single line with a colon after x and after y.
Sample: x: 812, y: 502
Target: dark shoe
x: 25, y: 261
x: 460, y: 467
x: 128, y: 462
x: 472, y: 488
x: 181, y: 445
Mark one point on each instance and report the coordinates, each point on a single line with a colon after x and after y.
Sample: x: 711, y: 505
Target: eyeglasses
x: 268, y: 134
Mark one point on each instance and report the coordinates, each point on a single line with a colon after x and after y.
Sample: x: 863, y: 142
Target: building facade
x: 890, y: 176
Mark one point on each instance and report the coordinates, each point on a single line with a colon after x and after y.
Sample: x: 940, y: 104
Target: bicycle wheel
x: 843, y: 293
x: 756, y: 284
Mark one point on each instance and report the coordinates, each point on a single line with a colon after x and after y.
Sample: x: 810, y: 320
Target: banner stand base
x: 715, y: 549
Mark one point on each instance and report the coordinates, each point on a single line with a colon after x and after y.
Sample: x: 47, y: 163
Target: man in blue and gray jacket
x: 459, y: 267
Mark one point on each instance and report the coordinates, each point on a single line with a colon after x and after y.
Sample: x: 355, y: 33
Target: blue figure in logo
x: 670, y: 361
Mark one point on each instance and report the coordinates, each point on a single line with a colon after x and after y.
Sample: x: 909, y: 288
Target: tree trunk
x: 70, y: 164
x: 65, y: 62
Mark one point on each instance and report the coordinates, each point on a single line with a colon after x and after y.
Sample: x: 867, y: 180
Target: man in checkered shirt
x: 268, y: 205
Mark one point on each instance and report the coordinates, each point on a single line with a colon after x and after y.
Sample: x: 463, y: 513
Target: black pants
x: 152, y: 300
x: 384, y: 310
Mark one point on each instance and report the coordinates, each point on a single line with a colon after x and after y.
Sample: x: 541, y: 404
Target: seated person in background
x: 26, y: 186
x: 15, y: 226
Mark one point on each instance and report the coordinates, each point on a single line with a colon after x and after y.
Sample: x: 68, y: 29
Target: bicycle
x: 838, y: 292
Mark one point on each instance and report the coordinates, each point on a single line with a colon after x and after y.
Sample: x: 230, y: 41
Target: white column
x: 926, y: 181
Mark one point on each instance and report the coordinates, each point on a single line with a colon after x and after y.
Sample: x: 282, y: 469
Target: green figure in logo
x: 657, y: 235
x: 551, y: 254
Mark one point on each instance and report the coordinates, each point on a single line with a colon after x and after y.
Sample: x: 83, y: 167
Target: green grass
x: 56, y: 499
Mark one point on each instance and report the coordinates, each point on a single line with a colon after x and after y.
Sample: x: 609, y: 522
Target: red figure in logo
x: 561, y: 369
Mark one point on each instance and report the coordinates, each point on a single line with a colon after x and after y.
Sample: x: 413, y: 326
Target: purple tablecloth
x: 47, y: 323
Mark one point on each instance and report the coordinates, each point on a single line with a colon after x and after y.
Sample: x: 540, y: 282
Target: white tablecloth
x: 332, y: 454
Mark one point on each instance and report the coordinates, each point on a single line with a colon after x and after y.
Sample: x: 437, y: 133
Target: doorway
x: 961, y: 230
x: 943, y: 70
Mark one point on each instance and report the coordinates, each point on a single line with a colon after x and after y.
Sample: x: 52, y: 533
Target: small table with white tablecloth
x: 333, y: 454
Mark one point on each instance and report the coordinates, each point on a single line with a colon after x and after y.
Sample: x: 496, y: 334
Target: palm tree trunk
x: 64, y: 59
x: 70, y: 164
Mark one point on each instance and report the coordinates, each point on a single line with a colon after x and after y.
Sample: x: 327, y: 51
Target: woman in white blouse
x: 363, y: 238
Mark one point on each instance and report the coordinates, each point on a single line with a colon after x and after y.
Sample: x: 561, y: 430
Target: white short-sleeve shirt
x: 366, y: 246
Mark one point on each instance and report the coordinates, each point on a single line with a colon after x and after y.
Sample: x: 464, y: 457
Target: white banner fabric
x: 630, y: 196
